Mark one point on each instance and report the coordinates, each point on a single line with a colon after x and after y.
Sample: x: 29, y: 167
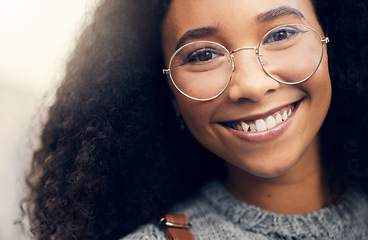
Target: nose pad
x: 232, y: 63
x: 249, y: 80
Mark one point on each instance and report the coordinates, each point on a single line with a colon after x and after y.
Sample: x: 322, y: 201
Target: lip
x: 267, y: 134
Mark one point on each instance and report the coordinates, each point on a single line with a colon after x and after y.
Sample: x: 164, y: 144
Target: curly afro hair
x: 112, y: 156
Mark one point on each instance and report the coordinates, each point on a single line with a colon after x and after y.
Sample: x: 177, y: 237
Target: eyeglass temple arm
x: 166, y: 71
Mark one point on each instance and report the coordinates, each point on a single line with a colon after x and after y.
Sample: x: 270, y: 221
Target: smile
x: 264, y: 123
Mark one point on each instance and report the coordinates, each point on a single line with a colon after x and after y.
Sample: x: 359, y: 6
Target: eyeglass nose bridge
x: 244, y: 48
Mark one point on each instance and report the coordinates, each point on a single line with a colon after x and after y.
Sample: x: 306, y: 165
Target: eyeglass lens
x: 289, y: 54
x: 201, y: 69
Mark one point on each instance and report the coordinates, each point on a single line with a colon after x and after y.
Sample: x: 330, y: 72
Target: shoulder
x: 196, y: 207
x: 147, y: 232
x: 213, y: 213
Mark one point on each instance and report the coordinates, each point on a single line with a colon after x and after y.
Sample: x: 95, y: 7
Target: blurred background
x: 35, y: 40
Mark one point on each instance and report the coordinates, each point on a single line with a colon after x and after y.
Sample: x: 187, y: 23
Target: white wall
x: 35, y: 39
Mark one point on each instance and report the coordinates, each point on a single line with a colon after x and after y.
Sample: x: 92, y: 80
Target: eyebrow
x: 196, y: 33
x: 278, y: 12
x: 261, y: 18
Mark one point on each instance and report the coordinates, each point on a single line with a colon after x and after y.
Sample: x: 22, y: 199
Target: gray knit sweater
x: 215, y: 214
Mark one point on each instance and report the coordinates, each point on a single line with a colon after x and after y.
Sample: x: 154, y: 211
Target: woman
x: 247, y: 89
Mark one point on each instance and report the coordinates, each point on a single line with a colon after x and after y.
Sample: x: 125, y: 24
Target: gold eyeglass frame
x: 167, y: 71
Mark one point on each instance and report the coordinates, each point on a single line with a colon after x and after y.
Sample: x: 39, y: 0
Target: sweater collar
x: 330, y: 221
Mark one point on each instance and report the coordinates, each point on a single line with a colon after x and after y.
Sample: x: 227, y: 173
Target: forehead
x: 230, y: 16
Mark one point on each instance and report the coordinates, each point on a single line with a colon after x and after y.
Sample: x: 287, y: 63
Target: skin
x: 284, y: 174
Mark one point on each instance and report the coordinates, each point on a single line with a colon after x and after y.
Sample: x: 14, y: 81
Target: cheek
x: 322, y: 80
x: 197, y: 116
x: 318, y: 88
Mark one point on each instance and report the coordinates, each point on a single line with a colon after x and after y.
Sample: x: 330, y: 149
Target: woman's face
x: 251, y: 95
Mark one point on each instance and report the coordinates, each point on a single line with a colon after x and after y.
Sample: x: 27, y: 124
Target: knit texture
x: 216, y: 214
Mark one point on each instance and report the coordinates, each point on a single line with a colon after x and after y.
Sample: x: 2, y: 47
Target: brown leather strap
x: 177, y: 227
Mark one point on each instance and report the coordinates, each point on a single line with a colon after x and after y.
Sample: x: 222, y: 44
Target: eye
x: 204, y: 55
x: 280, y: 35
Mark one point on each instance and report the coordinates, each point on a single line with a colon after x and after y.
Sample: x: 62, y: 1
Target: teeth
x: 270, y: 122
x: 278, y: 118
x: 261, y: 125
x: 245, y: 126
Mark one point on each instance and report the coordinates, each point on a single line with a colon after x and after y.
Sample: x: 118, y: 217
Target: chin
x: 268, y: 167
x: 269, y: 173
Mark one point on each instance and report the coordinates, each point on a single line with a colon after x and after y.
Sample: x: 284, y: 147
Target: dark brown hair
x: 112, y: 156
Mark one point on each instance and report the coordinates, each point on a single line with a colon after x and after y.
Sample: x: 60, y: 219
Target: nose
x: 249, y: 80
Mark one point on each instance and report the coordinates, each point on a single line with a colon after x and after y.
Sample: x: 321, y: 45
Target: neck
x: 302, y: 189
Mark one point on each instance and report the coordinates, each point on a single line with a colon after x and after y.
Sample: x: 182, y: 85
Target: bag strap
x: 176, y: 227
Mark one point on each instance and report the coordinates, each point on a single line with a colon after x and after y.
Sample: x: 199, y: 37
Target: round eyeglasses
x: 289, y: 54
